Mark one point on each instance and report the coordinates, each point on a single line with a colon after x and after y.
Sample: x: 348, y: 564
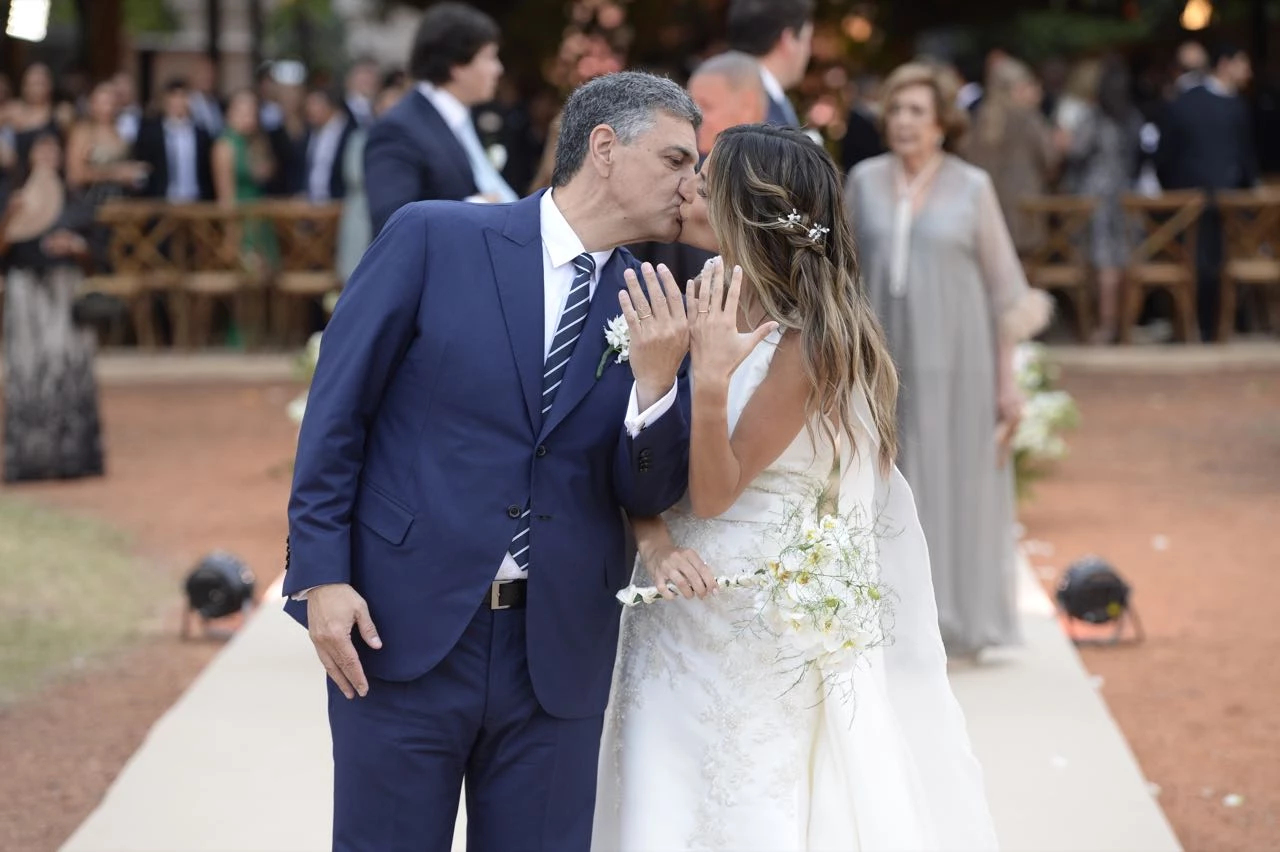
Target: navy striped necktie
x: 568, y: 330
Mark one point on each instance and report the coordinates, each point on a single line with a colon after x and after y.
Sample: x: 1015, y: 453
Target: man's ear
x: 602, y: 147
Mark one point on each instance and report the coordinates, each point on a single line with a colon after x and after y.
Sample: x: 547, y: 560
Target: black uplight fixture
x: 1093, y: 592
x: 220, y: 585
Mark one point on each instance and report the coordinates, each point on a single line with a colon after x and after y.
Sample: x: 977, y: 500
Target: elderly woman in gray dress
x: 943, y: 275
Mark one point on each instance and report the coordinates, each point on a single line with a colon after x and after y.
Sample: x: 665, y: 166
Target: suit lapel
x: 580, y: 375
x: 516, y: 254
x: 449, y: 143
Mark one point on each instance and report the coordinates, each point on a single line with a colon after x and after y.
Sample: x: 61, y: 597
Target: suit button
x: 645, y: 455
x: 541, y: 451
x: 513, y: 511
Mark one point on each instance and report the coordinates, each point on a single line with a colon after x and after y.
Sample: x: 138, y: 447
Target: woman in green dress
x: 242, y: 166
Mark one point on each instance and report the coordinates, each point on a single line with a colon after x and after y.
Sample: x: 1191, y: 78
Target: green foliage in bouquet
x: 1048, y: 413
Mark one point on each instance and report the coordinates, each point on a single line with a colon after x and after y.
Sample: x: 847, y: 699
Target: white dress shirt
x: 777, y: 94
x: 560, y: 245
x: 771, y: 85
x: 322, y: 150
x: 180, y: 148
x: 127, y: 124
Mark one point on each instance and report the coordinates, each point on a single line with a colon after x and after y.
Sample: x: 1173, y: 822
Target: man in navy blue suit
x: 426, y: 148
x: 470, y: 447
x: 779, y: 34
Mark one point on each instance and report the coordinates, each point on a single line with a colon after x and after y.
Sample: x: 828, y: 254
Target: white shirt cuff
x: 637, y: 422
x: 302, y: 595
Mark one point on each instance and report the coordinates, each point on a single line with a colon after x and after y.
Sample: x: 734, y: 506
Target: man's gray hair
x: 740, y: 70
x: 628, y: 101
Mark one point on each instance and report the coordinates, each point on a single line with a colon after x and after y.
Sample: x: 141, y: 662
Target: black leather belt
x: 508, y: 594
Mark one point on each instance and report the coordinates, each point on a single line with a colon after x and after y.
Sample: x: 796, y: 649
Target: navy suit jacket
x: 424, y: 438
x: 778, y: 115
x: 412, y: 155
x: 1206, y: 142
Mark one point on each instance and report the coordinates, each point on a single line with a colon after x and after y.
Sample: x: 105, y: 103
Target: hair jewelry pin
x: 794, y: 220
x: 791, y: 220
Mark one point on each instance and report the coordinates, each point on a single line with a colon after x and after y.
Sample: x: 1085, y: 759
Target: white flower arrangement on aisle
x: 1047, y: 413
x: 618, y: 336
x: 818, y: 592
x: 307, y: 364
x: 306, y: 370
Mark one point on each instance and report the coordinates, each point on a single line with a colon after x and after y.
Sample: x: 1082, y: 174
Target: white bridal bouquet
x: 817, y: 591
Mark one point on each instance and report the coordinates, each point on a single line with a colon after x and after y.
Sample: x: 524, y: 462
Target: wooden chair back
x: 1167, y: 226
x: 1061, y: 260
x: 1251, y: 257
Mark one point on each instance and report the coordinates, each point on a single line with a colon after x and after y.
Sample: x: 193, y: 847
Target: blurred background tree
x: 309, y: 31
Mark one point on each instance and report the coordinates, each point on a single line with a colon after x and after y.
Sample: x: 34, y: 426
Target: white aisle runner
x: 241, y: 763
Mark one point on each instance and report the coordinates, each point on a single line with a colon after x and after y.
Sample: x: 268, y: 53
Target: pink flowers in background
x: 595, y: 43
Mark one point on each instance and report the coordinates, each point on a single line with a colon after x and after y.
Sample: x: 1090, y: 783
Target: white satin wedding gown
x: 707, y: 745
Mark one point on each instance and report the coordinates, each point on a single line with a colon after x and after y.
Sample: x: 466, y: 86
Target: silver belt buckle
x: 493, y: 594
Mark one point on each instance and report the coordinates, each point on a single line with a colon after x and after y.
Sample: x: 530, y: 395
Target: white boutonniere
x: 618, y: 336
x: 497, y: 155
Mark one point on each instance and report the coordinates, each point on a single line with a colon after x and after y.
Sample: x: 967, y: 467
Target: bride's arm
x: 666, y: 563
x: 721, y: 466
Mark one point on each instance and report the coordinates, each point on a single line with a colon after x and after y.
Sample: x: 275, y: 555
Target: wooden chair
x: 1251, y: 237
x: 1061, y: 261
x: 1165, y: 257
x: 220, y: 264
x: 307, y: 235
x: 144, y: 251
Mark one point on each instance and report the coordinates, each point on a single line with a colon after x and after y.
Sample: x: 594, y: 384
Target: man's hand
x: 332, y: 611
x: 659, y: 331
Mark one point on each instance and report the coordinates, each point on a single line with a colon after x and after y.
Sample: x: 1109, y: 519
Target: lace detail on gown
x: 710, y: 743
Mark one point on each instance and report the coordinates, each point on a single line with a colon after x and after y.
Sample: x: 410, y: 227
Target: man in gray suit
x: 779, y: 34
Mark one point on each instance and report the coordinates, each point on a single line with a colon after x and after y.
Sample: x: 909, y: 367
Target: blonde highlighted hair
x: 768, y: 188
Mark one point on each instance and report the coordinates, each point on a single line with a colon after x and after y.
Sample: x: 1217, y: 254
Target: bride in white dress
x: 709, y: 743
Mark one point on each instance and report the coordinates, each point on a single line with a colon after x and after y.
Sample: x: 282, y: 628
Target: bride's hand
x: 716, y: 345
x: 682, y: 568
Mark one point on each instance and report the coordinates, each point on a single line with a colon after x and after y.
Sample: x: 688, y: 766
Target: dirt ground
x: 190, y: 469
x: 1174, y: 479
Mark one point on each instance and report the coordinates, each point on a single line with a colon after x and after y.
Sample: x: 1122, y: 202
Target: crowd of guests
x: 936, y: 165
x: 1092, y: 134
x: 62, y: 155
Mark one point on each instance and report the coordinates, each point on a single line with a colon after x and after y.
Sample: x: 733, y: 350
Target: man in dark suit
x: 329, y: 129
x: 460, y: 481
x: 177, y: 151
x: 426, y: 147
x: 862, y: 137
x: 779, y: 34
x: 1206, y: 142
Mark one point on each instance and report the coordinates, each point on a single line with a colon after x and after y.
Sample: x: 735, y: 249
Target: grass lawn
x: 70, y: 589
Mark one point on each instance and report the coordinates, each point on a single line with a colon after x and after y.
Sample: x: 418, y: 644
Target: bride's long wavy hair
x: 767, y: 188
